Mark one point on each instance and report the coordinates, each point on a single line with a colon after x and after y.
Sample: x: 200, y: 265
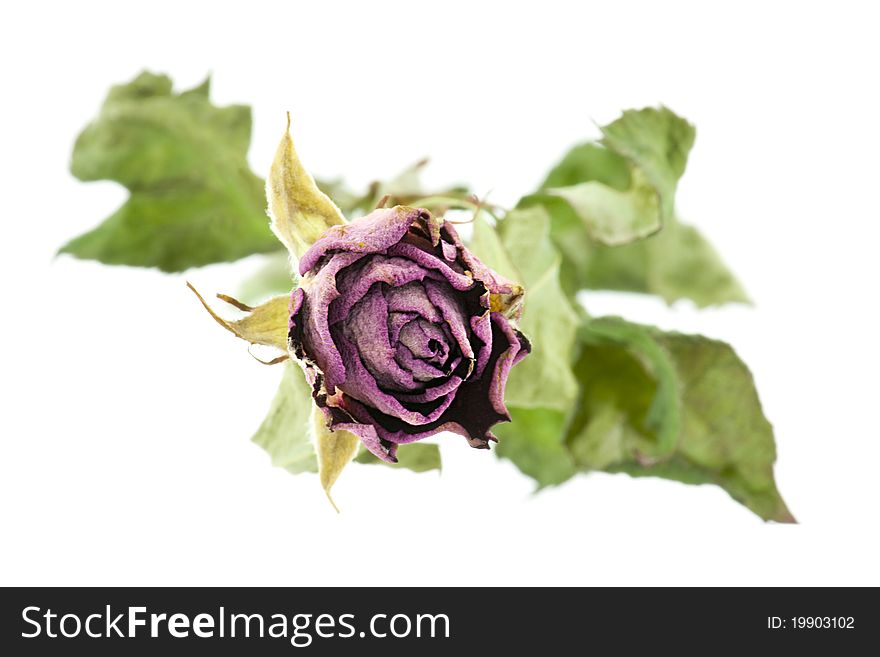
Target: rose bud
x: 403, y: 332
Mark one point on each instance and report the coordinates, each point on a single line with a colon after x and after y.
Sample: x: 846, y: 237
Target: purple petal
x: 396, y: 321
x: 369, y: 437
x: 296, y: 302
x: 494, y: 282
x: 401, y: 345
x: 453, y: 364
x: 447, y: 303
x: 411, y: 298
x: 478, y: 404
x: 421, y: 370
x: 367, y: 328
x: 450, y: 251
x: 362, y: 386
x: 373, y: 233
x: 430, y: 393
x: 432, y: 262
x: 482, y: 329
x: 314, y: 331
x: 517, y: 347
x: 388, y: 439
x: 425, y: 340
x: 357, y: 281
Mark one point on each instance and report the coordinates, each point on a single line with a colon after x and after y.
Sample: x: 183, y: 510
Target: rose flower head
x: 393, y: 322
x: 401, y: 331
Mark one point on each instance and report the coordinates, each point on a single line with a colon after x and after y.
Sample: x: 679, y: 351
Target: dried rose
x: 394, y: 325
x: 401, y: 331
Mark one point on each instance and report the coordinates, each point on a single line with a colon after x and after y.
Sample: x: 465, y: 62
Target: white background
x: 126, y: 415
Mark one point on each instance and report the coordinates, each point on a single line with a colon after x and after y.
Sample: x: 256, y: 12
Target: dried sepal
x: 335, y: 450
x: 508, y: 304
x: 300, y: 212
x: 265, y: 324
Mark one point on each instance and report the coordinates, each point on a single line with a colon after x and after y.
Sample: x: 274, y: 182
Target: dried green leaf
x: 674, y: 263
x: 657, y: 142
x: 619, y: 389
x: 533, y: 441
x: 285, y: 433
x: 615, y: 217
x: 646, y: 155
x: 193, y: 198
x: 542, y: 388
x: 590, y: 161
x: 300, y: 211
x: 487, y: 244
x: 661, y: 418
x: 676, y: 406
x: 544, y: 379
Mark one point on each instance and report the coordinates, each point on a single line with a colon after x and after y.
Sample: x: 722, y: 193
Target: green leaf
x: 626, y: 192
x: 418, y: 457
x: 661, y: 416
x: 618, y: 392
x: 486, y: 243
x: 613, y: 217
x: 674, y: 263
x: 533, y: 441
x: 657, y: 142
x: 677, y: 406
x: 194, y: 200
x: 285, y: 433
x: 544, y: 379
x: 542, y: 388
x: 587, y: 162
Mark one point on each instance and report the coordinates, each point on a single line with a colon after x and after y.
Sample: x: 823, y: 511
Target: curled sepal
x: 300, y: 212
x: 335, y: 450
x: 265, y: 324
x: 510, y: 304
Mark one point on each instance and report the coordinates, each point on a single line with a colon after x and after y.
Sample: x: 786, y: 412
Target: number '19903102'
x: 811, y: 623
